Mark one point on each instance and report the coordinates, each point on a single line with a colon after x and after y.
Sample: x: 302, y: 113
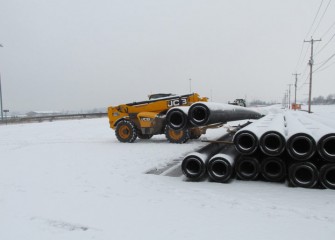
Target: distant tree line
x: 258, y: 102
x: 321, y: 100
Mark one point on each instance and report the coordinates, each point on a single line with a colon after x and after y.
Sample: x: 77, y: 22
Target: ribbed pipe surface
x: 327, y: 176
x: 247, y: 168
x: 273, y: 169
x: 303, y: 174
x: 220, y: 167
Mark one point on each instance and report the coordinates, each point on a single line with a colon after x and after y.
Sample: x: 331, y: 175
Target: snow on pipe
x: 177, y: 118
x: 327, y: 175
x: 273, y: 169
x: 220, y: 167
x: 303, y: 174
x: 272, y: 142
x: 194, y: 164
x: 323, y: 135
x: 247, y: 167
x: 246, y: 140
x: 299, y: 144
x: 205, y: 113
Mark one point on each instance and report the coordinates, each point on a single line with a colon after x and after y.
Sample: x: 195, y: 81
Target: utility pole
x: 311, y: 62
x: 289, y: 96
x: 286, y: 95
x: 190, y: 85
x: 295, y: 87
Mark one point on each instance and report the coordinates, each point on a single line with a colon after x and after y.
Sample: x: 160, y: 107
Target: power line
x: 324, y: 13
x: 298, y: 65
x: 324, y: 63
x: 323, y: 35
x: 325, y: 44
x: 317, y: 13
x: 322, y: 69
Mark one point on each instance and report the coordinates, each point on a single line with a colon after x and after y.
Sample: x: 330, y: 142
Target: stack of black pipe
x: 206, y: 113
x: 293, y: 146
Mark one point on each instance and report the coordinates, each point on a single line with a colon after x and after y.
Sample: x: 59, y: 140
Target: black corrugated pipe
x: 327, y: 175
x: 194, y: 164
x: 322, y: 132
x: 205, y: 113
x: 177, y: 118
x: 220, y: 167
x: 272, y: 143
x: 246, y: 142
x: 301, y: 146
x: 273, y: 169
x: 303, y: 174
x: 247, y: 167
x: 326, y: 147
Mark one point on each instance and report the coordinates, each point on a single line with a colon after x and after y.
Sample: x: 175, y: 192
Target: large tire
x: 126, y: 131
x: 176, y: 136
x: 144, y: 136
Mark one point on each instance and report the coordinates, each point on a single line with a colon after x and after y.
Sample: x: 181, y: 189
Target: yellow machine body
x: 149, y: 116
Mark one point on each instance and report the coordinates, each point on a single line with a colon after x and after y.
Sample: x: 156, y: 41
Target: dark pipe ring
x: 246, y: 142
x: 199, y: 114
x: 176, y: 120
x: 273, y: 169
x: 219, y: 170
x: 247, y: 168
x: 303, y: 175
x: 272, y: 144
x: 328, y: 146
x: 301, y: 147
x: 192, y: 167
x: 327, y: 176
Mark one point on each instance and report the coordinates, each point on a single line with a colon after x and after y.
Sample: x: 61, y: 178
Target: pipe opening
x: 176, y: 119
x: 193, y: 166
x: 329, y: 146
x: 272, y: 142
x: 304, y: 174
x: 247, y: 168
x: 219, y: 168
x: 330, y: 176
x: 301, y: 146
x: 273, y: 168
x: 246, y: 141
x: 199, y: 114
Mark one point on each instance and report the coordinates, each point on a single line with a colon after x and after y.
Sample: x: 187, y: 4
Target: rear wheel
x: 126, y: 131
x: 176, y: 136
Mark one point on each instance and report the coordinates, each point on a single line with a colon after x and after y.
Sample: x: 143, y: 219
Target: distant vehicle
x: 239, y: 102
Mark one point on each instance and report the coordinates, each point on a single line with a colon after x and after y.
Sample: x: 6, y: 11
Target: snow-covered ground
x: 74, y: 180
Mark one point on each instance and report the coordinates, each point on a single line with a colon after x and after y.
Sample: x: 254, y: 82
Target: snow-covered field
x: 74, y: 180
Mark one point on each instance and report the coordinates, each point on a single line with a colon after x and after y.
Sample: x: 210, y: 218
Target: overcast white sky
x: 81, y: 54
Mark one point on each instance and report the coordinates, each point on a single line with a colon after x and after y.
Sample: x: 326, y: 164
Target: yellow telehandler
x: 147, y: 118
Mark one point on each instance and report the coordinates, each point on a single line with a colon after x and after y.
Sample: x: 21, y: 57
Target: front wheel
x: 176, y: 136
x: 126, y: 131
